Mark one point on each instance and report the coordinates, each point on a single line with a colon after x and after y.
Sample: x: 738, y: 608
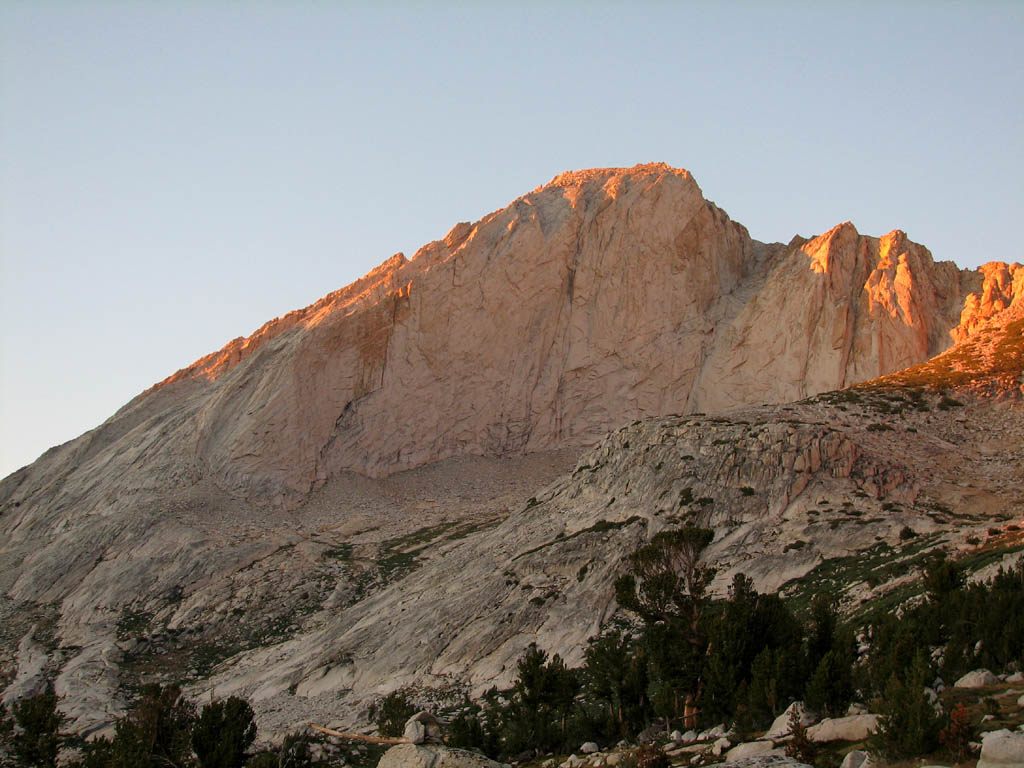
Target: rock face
x: 601, y: 297
x: 236, y: 506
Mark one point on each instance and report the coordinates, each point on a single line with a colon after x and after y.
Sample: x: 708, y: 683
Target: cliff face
x: 601, y: 298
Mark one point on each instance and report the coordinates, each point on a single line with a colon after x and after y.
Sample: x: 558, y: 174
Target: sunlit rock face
x: 602, y: 297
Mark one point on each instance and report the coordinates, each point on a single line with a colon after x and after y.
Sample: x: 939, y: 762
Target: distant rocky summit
x: 389, y: 487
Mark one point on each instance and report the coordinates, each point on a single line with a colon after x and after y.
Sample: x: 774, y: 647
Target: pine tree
x: 223, y: 732
x: 665, y: 584
x: 908, y: 724
x: 38, y: 740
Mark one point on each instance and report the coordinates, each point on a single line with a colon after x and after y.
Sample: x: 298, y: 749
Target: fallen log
x: 359, y: 736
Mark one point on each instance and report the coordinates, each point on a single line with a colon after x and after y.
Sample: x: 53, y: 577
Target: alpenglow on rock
x: 604, y: 296
x: 234, y: 496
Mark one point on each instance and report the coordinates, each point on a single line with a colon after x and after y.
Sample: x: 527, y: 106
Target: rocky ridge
x: 226, y: 514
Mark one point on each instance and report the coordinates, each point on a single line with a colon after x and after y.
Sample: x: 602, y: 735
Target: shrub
x: 6, y: 724
x: 958, y: 733
x: 907, y: 533
x: 392, y: 712
x: 651, y: 756
x: 800, y: 746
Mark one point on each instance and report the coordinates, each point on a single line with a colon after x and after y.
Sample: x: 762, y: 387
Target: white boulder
x: 851, y: 728
x: 423, y: 728
x: 589, y: 748
x: 1002, y: 749
x: 713, y: 733
x: 978, y: 678
x: 721, y: 745
x: 753, y: 749
x: 856, y: 759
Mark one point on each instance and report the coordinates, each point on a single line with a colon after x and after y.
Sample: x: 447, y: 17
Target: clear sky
x: 172, y: 175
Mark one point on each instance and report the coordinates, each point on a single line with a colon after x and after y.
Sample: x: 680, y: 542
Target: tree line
x: 692, y: 663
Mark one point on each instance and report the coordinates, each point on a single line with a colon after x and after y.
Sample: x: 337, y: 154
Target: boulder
x: 721, y: 745
x: 856, y: 759
x: 433, y: 756
x: 676, y: 736
x: 978, y: 678
x: 590, y: 748
x: 1002, y: 749
x: 713, y: 733
x: 1016, y: 677
x: 780, y: 728
x: 753, y: 749
x: 851, y: 728
x: 423, y: 728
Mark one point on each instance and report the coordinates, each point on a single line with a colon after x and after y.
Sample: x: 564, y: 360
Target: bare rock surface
x: 385, y: 488
x: 433, y: 756
x: 850, y: 728
x: 753, y: 749
x: 856, y: 759
x: 978, y: 678
x: 29, y: 676
x: 1002, y: 749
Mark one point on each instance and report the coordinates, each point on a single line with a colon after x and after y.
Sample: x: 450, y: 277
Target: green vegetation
x: 132, y: 623
x: 223, y: 733
x: 681, y: 659
x: 908, y: 723
x: 37, y: 740
x: 695, y: 662
x: 391, y: 712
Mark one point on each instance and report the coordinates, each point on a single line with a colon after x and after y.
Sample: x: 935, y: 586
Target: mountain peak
x: 639, y: 171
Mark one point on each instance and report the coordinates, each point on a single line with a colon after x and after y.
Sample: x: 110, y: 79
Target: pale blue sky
x: 172, y: 175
